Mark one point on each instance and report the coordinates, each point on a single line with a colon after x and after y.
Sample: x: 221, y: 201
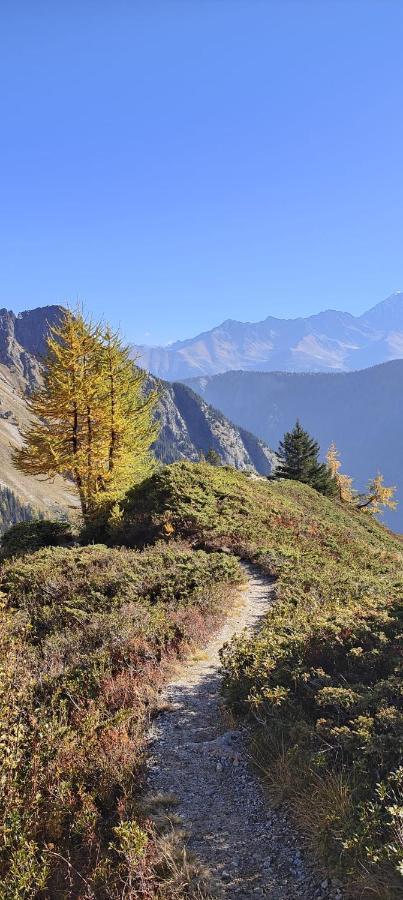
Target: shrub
x: 26, y: 537
x: 86, y: 638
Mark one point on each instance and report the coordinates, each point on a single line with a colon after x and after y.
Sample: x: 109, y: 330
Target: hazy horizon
x: 30, y: 306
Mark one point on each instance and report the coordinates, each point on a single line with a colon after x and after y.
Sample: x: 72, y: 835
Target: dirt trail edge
x: 249, y: 847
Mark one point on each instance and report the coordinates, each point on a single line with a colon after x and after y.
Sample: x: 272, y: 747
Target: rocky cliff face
x: 190, y: 426
x: 23, y: 342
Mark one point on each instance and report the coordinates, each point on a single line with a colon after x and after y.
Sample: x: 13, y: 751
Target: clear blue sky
x: 174, y: 164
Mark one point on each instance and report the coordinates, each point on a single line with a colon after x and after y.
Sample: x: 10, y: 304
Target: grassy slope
x: 324, y: 676
x: 86, y: 637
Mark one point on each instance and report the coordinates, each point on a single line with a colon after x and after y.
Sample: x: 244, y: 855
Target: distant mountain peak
x: 386, y: 316
x: 395, y: 299
x: 231, y: 322
x: 328, y: 341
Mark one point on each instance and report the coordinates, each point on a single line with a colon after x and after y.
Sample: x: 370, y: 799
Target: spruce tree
x: 298, y: 460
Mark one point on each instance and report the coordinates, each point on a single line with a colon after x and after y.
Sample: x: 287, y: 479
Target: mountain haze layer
x: 361, y: 411
x: 330, y: 341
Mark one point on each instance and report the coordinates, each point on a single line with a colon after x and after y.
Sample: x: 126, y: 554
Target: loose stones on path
x: 250, y: 849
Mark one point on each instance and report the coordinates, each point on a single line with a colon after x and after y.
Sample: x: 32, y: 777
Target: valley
x: 362, y: 412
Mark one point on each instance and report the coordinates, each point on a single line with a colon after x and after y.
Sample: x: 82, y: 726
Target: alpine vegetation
x: 321, y: 680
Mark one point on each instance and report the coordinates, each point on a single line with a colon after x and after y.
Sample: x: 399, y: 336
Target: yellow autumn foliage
x: 92, y: 419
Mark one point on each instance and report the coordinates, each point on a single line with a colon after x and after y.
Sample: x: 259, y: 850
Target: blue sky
x: 174, y: 164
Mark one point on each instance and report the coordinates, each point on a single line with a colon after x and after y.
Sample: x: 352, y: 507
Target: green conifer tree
x: 298, y: 460
x: 213, y: 457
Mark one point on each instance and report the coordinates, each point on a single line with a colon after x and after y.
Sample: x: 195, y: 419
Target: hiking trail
x: 249, y: 847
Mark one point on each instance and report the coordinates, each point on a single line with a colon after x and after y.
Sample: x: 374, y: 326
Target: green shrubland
x: 323, y: 677
x: 26, y: 537
x: 87, y: 636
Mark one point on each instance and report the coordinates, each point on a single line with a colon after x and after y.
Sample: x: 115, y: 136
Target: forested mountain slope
x: 12, y: 510
x: 361, y: 411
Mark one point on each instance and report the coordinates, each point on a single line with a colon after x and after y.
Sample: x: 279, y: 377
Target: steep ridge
x: 189, y: 426
x: 330, y: 341
x: 22, y: 343
x: 48, y: 497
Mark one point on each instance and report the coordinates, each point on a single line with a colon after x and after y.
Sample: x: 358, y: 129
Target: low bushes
x: 26, y: 537
x: 323, y: 679
x: 86, y: 635
x: 325, y: 684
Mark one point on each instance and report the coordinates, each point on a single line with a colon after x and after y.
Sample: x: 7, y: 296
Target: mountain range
x: 361, y: 411
x: 330, y: 341
x: 188, y: 424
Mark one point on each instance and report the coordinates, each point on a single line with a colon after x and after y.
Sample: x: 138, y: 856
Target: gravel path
x: 249, y: 847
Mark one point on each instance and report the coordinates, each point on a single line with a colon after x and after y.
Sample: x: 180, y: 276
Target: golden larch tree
x: 344, y: 482
x: 128, y: 419
x: 92, y: 419
x: 378, y: 495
